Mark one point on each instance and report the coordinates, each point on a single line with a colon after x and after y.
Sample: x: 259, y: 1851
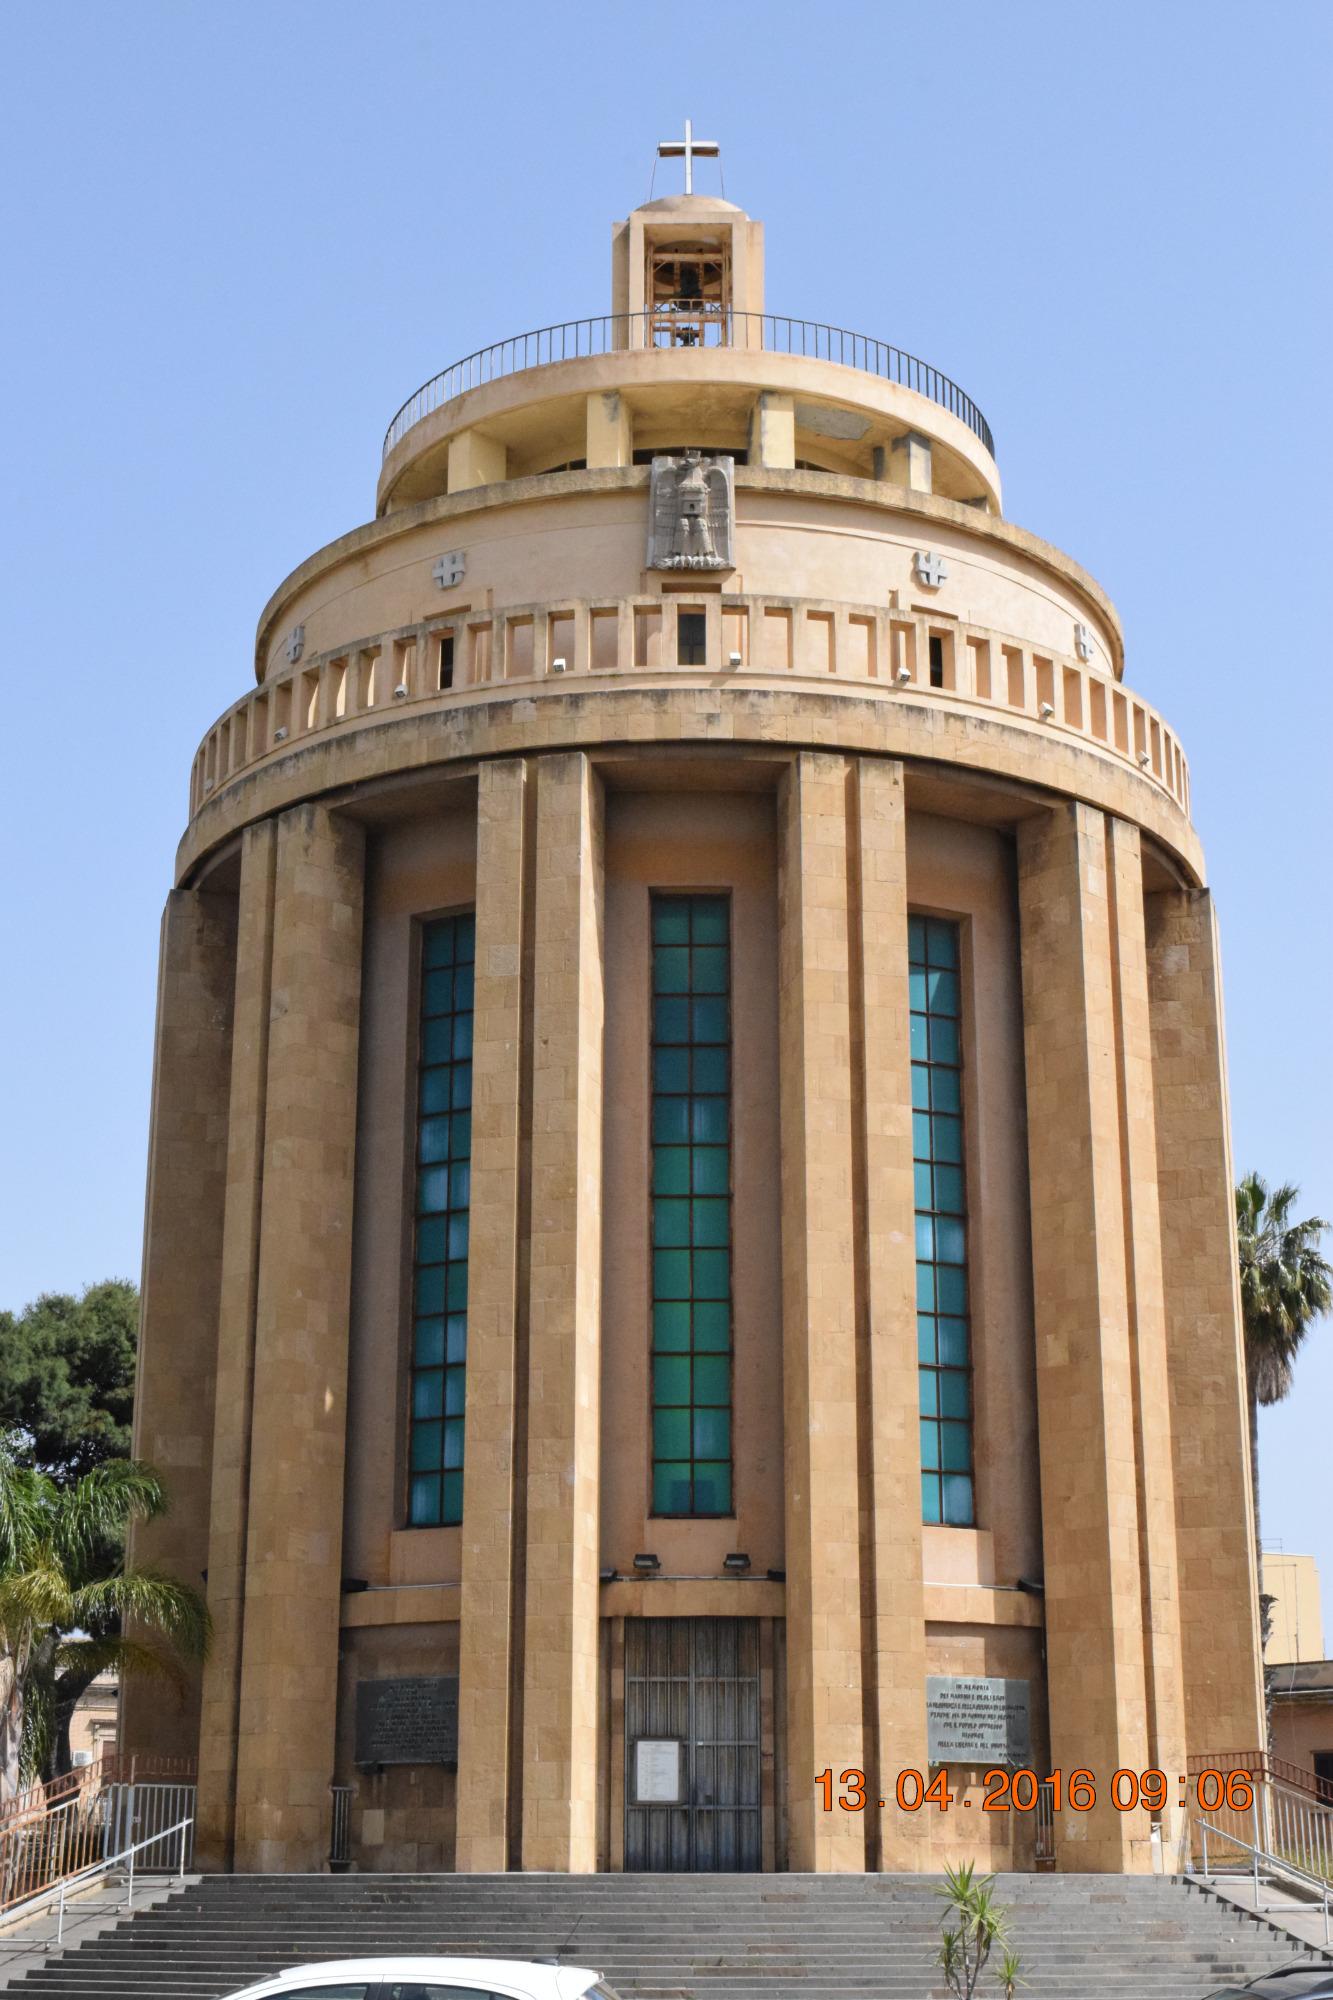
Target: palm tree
x: 1285, y: 1286
x: 64, y: 1607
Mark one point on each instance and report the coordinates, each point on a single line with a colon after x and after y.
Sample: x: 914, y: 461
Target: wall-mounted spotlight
x: 1144, y: 759
x: 1046, y: 711
x: 738, y: 1562
x: 560, y: 665
x: 280, y: 735
x: 400, y: 692
x: 733, y: 659
x: 608, y: 1576
x: 777, y: 1575
x: 648, y: 1562
x: 903, y: 676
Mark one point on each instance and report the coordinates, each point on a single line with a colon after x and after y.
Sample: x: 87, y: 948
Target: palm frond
x: 149, y: 1598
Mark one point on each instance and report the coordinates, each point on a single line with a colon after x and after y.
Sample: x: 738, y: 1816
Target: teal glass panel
x: 710, y: 1071
x: 712, y: 1380
x: 711, y: 1223
x: 935, y: 999
x: 671, y: 1378
x: 671, y: 1170
x: 671, y: 1433
x: 712, y: 1433
x: 432, y: 1239
x: 671, y: 969
x: 671, y: 1224
x: 438, y: 1387
x: 671, y: 1327
x: 711, y: 1170
x: 671, y: 1488
x: 955, y: 1400
x: 953, y: 1343
x: 428, y: 1343
x: 712, y: 1489
x: 671, y: 1070
x: 712, y: 1326
x: 428, y: 1393
x: 691, y: 1204
x: 671, y: 1274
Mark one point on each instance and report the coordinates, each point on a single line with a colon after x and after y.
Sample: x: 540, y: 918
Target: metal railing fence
x: 1225, y: 1844
x: 340, y: 1830
x: 695, y: 327
x: 40, y: 1848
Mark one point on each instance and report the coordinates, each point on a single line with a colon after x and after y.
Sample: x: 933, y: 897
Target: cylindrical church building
x: 689, y: 1248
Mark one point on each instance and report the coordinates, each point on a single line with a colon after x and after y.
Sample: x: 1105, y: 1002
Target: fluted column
x: 1223, y: 1676
x: 894, y: 1600
x: 298, y: 1438
x: 173, y: 1410
x: 561, y: 1605
x: 495, y: 1309
x: 1085, y: 1372
x: 825, y: 1689
x: 236, y: 1349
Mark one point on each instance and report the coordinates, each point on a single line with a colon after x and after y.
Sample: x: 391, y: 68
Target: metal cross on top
x: 689, y: 149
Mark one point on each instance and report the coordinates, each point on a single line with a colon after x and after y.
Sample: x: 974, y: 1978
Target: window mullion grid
x: 442, y: 1205
x: 942, y: 1302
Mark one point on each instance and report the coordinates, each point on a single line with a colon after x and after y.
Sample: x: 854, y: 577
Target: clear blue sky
x: 236, y: 237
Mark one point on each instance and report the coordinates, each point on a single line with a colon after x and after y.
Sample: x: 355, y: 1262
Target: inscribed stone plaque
x: 408, y: 1721
x: 657, y: 1771
x: 977, y: 1721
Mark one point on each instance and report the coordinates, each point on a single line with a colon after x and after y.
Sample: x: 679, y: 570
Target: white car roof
x: 543, y: 1982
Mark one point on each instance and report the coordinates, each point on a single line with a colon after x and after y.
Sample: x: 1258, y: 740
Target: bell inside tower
x: 689, y: 294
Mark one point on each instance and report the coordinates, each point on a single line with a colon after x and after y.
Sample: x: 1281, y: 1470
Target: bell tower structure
x: 689, y: 1236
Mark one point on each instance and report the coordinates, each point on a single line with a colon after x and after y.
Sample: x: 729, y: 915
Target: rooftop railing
x: 690, y: 324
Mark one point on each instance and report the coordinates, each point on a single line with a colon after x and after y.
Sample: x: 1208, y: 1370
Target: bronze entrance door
x: 692, y: 1742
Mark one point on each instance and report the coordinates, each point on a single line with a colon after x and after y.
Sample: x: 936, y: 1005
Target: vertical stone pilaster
x: 187, y: 1152
x: 1143, y: 1264
x: 1085, y: 1376
x: 1219, y: 1629
x: 825, y: 1724
x: 488, y: 1611
x: 299, y: 1433
x: 236, y: 1349
x: 561, y: 1605
x: 896, y: 1639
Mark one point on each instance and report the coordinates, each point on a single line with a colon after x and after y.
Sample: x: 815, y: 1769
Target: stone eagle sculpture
x: 691, y: 513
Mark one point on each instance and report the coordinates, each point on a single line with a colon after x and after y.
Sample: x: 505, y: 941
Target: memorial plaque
x: 657, y: 1771
x: 408, y: 1721
x: 977, y: 1721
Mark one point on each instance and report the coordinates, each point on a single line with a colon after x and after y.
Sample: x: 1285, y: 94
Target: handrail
x: 697, y: 326
x: 1263, y: 1765
x: 1274, y: 1864
x: 113, y: 1861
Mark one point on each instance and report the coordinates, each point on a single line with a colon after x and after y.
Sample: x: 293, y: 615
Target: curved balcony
x: 692, y: 325
x: 736, y: 642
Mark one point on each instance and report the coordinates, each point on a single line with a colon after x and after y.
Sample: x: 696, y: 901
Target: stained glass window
x: 691, y: 1205
x: 941, y: 1224
x: 440, y: 1248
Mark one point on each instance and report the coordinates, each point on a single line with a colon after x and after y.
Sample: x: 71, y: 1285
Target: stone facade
x: 896, y: 708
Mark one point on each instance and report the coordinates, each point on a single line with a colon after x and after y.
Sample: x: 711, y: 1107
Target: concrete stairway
x: 660, y: 1937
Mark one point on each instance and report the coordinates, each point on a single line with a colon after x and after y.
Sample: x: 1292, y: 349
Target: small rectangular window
x: 943, y: 1345
x: 691, y: 638
x: 441, y: 1207
x: 446, y: 662
x: 936, y: 660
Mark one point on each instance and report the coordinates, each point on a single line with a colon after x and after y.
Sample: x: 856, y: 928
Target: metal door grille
x: 696, y: 1679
